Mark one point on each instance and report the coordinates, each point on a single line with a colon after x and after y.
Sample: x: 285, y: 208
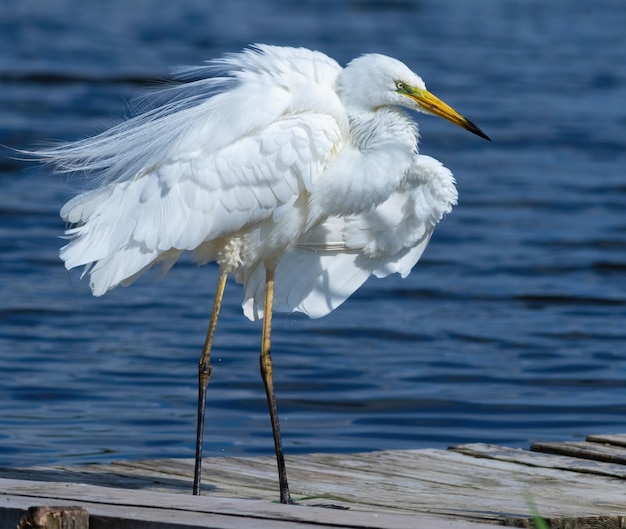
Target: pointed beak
x: 434, y: 105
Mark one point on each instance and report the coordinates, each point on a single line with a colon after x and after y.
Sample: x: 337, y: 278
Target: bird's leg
x: 266, y: 373
x: 204, y: 374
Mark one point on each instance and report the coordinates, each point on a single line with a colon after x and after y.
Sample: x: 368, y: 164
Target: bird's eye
x: 399, y: 85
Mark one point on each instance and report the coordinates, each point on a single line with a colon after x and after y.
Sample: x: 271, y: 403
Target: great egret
x: 298, y: 176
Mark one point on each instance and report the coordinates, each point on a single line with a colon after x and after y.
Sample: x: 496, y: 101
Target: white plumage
x: 336, y: 257
x: 298, y: 176
x: 275, y: 141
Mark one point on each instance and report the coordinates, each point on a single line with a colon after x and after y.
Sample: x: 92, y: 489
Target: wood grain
x: 476, y: 483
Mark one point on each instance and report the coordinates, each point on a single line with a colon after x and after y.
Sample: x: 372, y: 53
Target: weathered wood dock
x: 574, y: 485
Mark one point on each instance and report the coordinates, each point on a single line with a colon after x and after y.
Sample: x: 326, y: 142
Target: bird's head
x: 372, y: 81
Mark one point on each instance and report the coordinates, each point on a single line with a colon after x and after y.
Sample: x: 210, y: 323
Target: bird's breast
x: 371, y: 166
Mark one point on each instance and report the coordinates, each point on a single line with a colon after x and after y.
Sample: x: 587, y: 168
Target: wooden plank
x: 439, y: 483
x: 584, y: 450
x: 115, y: 508
x: 612, y: 439
x: 539, y: 459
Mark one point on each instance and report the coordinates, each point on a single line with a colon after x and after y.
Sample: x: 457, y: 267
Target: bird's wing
x: 222, y: 158
x: 185, y: 201
x: 335, y: 258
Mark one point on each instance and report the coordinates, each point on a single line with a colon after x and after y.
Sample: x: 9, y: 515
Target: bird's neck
x: 382, y: 129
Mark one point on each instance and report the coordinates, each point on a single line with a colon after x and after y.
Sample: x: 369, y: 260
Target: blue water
x: 510, y: 330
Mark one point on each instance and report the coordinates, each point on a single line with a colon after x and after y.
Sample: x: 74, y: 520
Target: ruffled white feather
x: 221, y: 155
x: 269, y: 157
x: 333, y: 260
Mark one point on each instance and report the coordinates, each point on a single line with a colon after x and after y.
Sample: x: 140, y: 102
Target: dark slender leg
x: 204, y: 374
x: 266, y: 373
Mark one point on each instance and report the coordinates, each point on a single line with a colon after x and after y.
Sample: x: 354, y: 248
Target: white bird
x: 298, y: 176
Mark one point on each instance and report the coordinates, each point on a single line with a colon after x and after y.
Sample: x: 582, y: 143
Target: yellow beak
x: 436, y: 106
